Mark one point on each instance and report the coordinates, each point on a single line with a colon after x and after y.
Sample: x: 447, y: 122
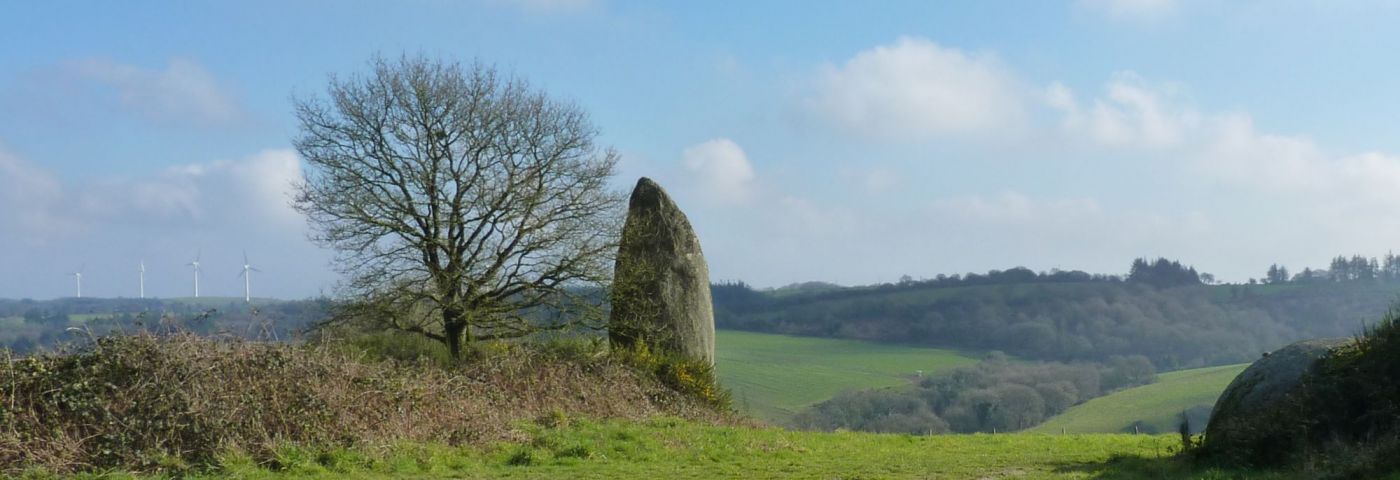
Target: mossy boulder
x: 1265, y: 413
x: 661, y: 283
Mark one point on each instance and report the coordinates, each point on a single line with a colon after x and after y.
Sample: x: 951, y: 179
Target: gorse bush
x: 694, y: 378
x: 169, y: 403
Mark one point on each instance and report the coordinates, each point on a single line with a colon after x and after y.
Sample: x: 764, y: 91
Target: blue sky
x: 851, y: 142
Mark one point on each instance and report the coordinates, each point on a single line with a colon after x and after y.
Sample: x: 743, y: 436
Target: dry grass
x: 176, y: 402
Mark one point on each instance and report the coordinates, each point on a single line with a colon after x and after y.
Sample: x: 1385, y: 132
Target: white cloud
x: 252, y: 189
x: 1225, y: 147
x: 1134, y: 10
x: 1132, y: 113
x: 28, y: 199
x: 915, y: 88
x: 721, y: 169
x: 1240, y: 156
x: 182, y: 91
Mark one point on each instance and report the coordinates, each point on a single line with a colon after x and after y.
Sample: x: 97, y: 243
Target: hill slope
x: 1040, y: 319
x: 774, y: 376
x: 1157, y: 405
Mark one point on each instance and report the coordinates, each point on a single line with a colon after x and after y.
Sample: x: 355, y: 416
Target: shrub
x: 171, y: 403
x: 691, y: 377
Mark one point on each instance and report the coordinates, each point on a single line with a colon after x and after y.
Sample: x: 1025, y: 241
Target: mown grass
x: 773, y: 377
x: 668, y: 448
x: 1157, y: 405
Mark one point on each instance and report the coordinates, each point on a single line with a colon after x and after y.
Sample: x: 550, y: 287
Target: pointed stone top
x: 647, y: 189
x: 648, y: 196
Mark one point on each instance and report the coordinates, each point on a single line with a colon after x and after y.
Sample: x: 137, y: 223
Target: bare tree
x: 460, y: 200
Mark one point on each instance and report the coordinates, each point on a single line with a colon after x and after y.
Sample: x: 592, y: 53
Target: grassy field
x: 774, y: 376
x: 79, y: 318
x: 1157, y: 404
x: 208, y: 302
x: 674, y: 449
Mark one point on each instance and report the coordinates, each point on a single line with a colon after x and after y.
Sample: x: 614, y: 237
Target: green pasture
x: 1157, y: 405
x: 774, y: 376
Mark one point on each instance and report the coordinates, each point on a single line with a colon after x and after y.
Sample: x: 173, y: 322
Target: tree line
x: 1341, y: 269
x: 27, y: 326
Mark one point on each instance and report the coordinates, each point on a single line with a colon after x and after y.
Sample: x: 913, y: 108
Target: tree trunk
x: 454, y: 324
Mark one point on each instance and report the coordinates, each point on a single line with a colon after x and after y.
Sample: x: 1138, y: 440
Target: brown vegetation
x: 174, y: 402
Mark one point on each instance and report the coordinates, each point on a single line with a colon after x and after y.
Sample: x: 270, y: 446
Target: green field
x: 774, y: 376
x: 79, y: 318
x: 665, y: 448
x: 1158, y: 404
x: 209, y: 302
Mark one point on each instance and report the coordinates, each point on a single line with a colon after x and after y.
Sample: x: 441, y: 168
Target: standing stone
x: 661, y: 285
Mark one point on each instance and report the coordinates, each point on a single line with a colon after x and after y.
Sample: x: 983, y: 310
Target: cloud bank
x: 215, y: 209
x: 183, y: 91
x: 1158, y: 174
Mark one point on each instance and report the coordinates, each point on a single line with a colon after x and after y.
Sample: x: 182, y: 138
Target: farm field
x: 1157, y: 405
x: 665, y: 448
x: 774, y: 376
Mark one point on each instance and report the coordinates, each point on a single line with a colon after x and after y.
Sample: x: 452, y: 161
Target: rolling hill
x: 1157, y: 406
x: 774, y: 376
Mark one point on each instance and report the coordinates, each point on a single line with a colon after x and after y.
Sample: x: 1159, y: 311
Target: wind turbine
x: 78, y: 275
x: 143, y: 278
x: 195, y: 264
x: 247, y: 278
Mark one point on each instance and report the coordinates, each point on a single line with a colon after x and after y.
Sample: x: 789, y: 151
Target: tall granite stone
x: 661, y: 284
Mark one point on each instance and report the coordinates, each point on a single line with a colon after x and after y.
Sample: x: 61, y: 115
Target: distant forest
x: 1162, y: 310
x: 29, y: 325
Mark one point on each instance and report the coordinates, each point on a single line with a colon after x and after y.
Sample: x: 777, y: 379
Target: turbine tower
x: 78, y: 275
x: 195, y: 264
x: 142, y: 270
x: 247, y: 278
